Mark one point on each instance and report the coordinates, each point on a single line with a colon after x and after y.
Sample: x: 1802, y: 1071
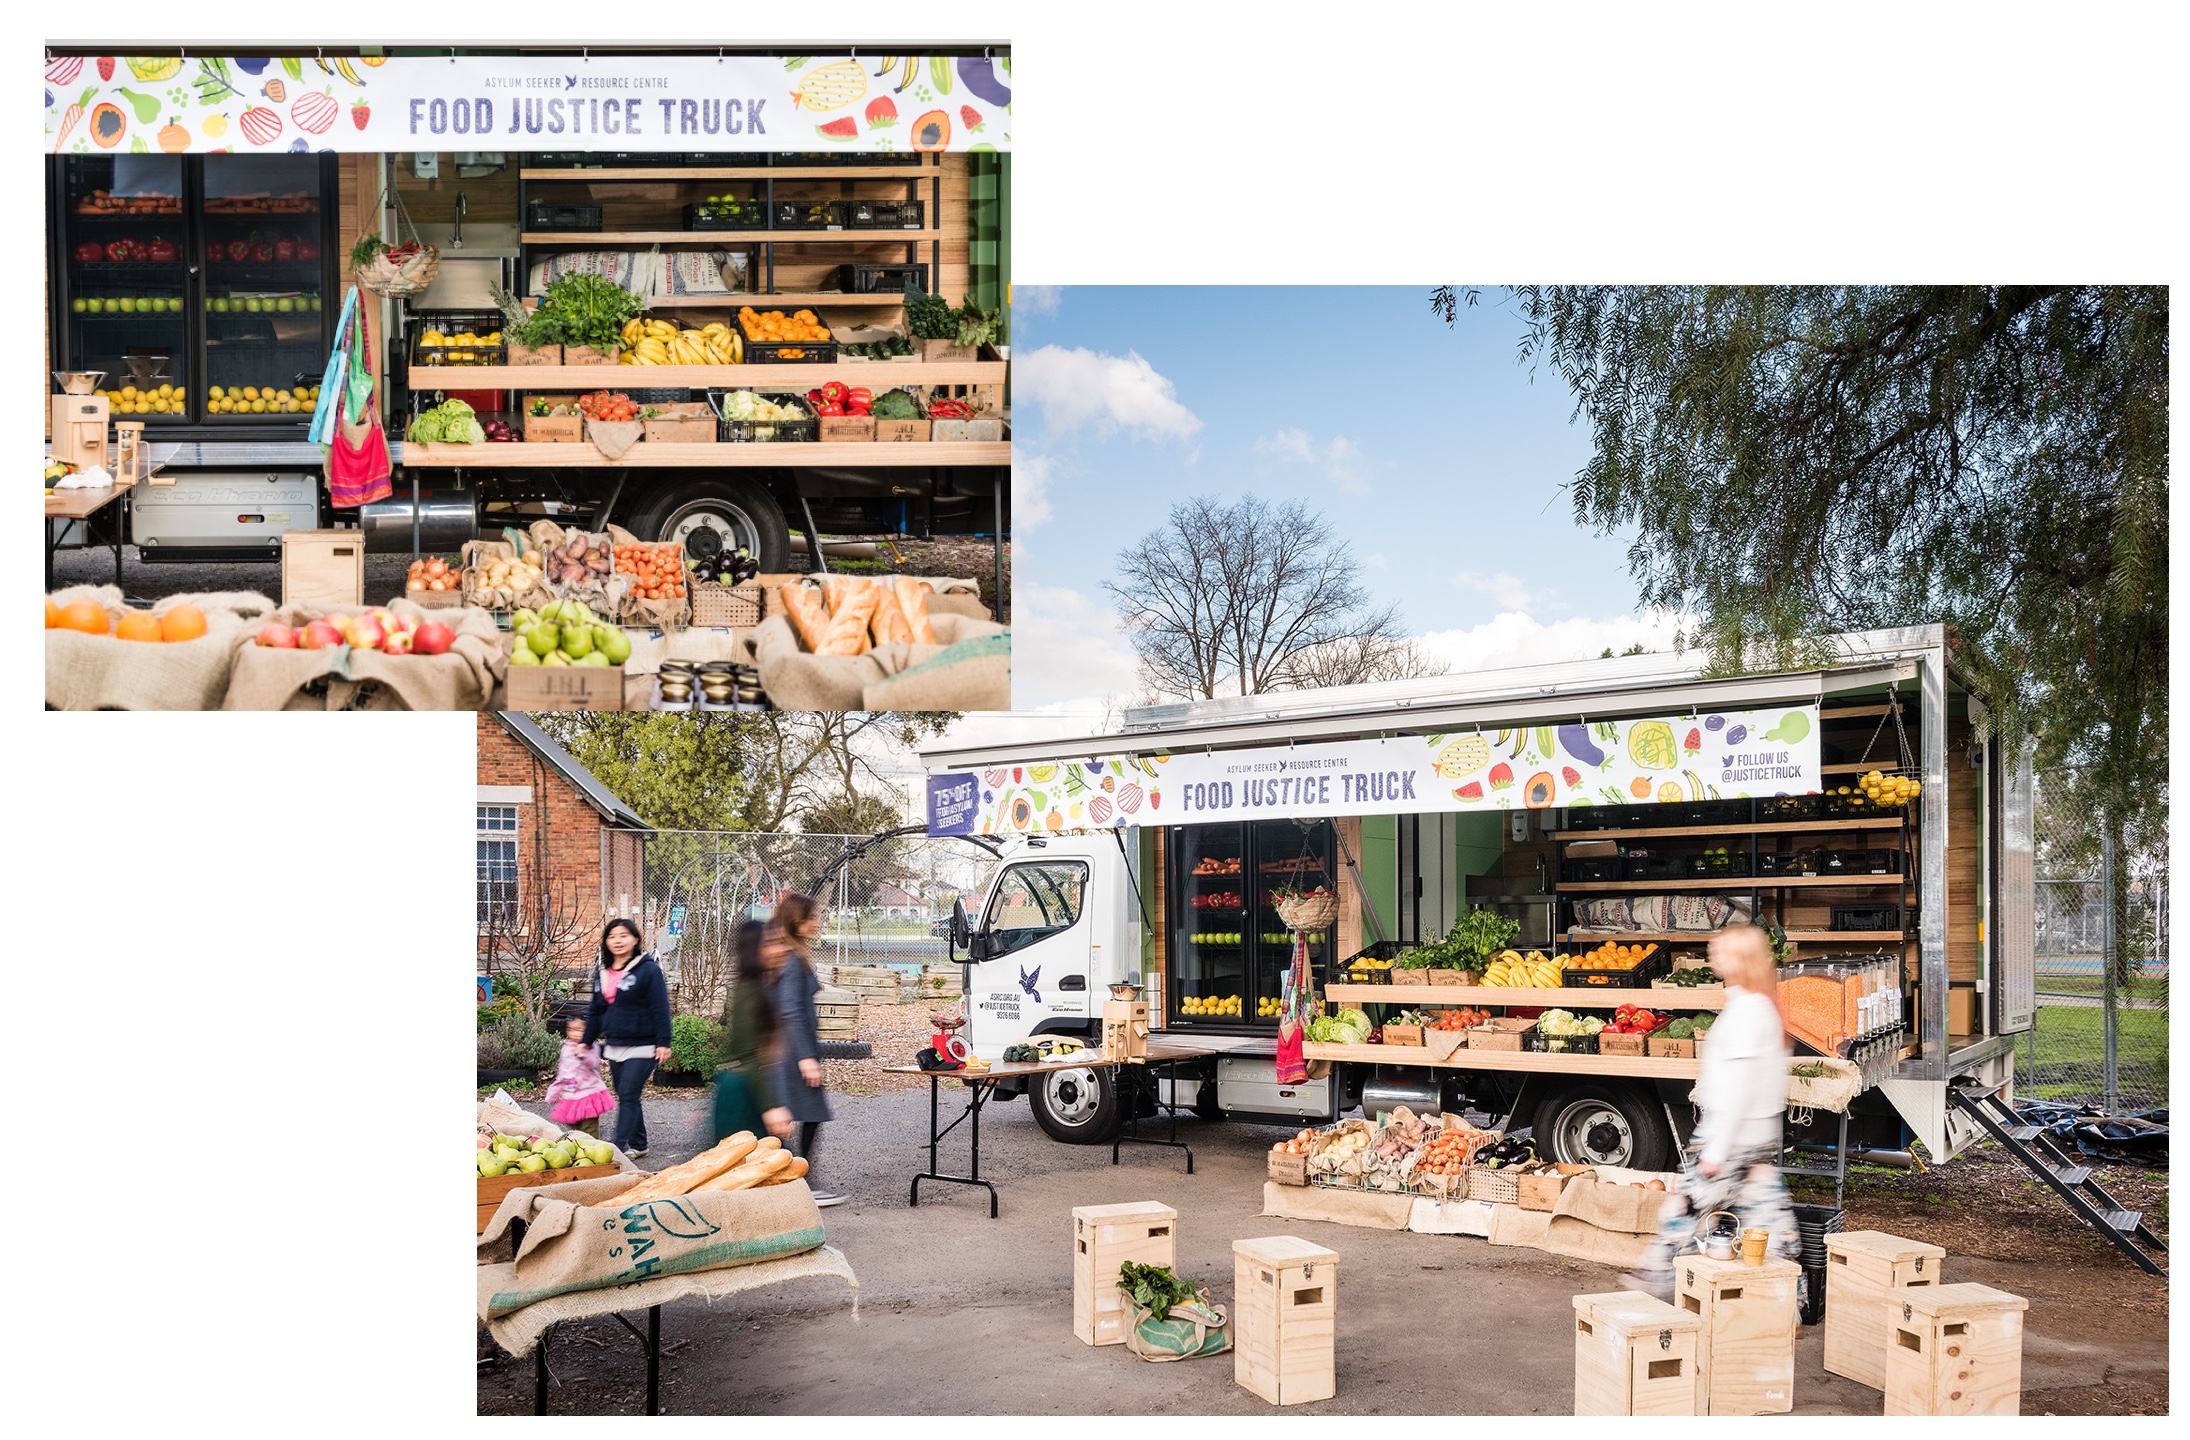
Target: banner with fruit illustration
x: 1727, y: 755
x: 144, y: 104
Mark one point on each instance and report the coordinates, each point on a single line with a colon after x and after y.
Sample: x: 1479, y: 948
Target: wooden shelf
x: 746, y: 172
x: 700, y: 238
x: 1860, y: 767
x: 700, y: 457
x: 1676, y: 832
x: 1527, y: 1061
x: 1735, y: 882
x: 794, y: 378
x: 1590, y: 998
x: 834, y: 299
x: 1699, y: 937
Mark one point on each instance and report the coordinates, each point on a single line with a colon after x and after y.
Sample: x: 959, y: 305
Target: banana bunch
x: 661, y: 342
x: 1511, y: 970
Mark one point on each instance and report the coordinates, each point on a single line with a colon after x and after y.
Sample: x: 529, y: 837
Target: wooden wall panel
x: 1351, y: 927
x: 1964, y: 900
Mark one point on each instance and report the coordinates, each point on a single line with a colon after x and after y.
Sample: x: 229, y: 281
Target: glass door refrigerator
x: 1230, y: 950
x: 201, y: 285
x: 1288, y: 856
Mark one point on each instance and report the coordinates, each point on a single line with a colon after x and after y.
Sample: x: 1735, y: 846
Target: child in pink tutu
x: 577, y: 1094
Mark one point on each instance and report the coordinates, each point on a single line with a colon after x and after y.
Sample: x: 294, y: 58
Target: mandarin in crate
x: 86, y: 615
x: 137, y: 625
x: 184, y: 622
x: 53, y: 614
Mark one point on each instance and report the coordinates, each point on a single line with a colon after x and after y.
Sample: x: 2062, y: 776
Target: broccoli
x: 1682, y: 1029
x: 895, y: 405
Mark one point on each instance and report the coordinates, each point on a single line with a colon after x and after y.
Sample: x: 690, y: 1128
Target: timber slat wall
x: 1964, y: 899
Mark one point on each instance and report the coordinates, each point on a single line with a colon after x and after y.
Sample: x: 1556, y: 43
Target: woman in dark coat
x: 630, y: 1017
x: 800, y: 1074
x: 745, y: 1090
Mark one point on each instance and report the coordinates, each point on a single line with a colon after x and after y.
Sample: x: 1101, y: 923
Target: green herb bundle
x: 534, y: 329
x: 1154, y: 1288
x: 977, y: 326
x: 590, y: 310
x: 927, y: 316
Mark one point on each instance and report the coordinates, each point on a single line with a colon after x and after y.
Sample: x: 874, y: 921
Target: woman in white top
x: 1732, y: 1160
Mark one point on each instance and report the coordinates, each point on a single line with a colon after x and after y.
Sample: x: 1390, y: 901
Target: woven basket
x: 1498, y: 1186
x: 1308, y: 912
x: 737, y: 606
x: 385, y: 277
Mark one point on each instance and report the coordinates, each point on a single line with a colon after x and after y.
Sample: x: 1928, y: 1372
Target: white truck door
x: 1035, y: 935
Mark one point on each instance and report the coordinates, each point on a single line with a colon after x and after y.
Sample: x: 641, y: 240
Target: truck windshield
x: 1032, y: 902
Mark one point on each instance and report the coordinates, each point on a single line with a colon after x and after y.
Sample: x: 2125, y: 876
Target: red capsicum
x: 859, y: 400
x: 834, y: 392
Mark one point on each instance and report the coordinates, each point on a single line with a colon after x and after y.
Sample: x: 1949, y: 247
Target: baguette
x: 912, y: 597
x: 837, y: 589
x: 755, y: 1171
x: 807, y: 617
x: 705, y: 1166
x: 796, y: 1170
x: 847, y: 634
x: 889, y: 623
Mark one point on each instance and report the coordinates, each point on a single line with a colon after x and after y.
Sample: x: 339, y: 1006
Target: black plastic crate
x: 1584, y: 872
x: 1858, y: 806
x: 1649, y: 968
x: 764, y: 432
x: 788, y: 352
x: 1862, y: 862
x: 880, y: 279
x: 807, y: 214
x: 733, y: 212
x: 1790, y: 808
x: 478, y: 322
x: 546, y: 215
x: 1538, y: 1041
x: 1866, y: 917
x: 1656, y: 867
x: 1705, y: 812
x: 885, y: 214
x: 1719, y: 866
x: 1792, y: 862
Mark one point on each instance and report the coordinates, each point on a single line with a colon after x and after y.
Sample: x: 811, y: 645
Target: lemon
x: 299, y: 392
x: 250, y: 392
x: 181, y: 394
x: 258, y: 407
x: 167, y: 389
x: 129, y: 392
x: 216, y: 126
x: 215, y: 393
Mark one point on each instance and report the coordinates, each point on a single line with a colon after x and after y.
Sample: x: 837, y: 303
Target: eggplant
x: 1576, y: 741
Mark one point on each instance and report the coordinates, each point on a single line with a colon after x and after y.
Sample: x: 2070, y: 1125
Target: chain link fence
x: 2100, y: 1035
x: 887, y: 909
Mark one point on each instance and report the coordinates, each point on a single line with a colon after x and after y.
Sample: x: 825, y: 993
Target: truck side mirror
x: 960, y: 937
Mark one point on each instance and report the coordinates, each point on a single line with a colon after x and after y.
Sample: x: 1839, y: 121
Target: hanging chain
x: 1900, y: 733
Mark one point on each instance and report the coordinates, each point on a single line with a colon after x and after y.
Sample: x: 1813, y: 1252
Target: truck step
x: 2071, y: 1174
x: 2025, y: 1133
x: 2121, y: 1222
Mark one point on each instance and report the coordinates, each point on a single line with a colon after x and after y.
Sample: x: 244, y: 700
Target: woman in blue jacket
x: 630, y: 1016
x: 800, y: 1076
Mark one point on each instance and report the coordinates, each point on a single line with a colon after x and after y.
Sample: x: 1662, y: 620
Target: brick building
x: 558, y: 854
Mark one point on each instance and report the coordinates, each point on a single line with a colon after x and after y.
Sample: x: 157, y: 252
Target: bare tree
x: 1359, y: 660
x: 1231, y: 597
x: 528, y: 938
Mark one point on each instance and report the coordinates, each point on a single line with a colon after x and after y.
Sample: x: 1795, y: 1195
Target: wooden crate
x: 1410, y: 1035
x: 1540, y: 1189
x: 525, y: 355
x: 1633, y: 1355
x: 847, y: 429
x: 1103, y: 1238
x: 493, y: 1188
x: 1745, y: 1350
x: 900, y: 432
x: 1956, y: 1350
x: 555, y: 429
x: 1288, y: 1169
x: 323, y: 567
x: 1621, y: 1044
x: 683, y: 422
x: 1285, y: 1319
x: 1865, y: 1273
x: 1666, y: 1047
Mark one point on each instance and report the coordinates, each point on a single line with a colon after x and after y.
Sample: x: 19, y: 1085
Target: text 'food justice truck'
x: 1613, y: 813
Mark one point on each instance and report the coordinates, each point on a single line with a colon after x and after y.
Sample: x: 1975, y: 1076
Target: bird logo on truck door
x: 1027, y: 979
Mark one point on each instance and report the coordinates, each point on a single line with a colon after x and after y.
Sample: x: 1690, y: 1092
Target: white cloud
x: 1375, y: 560
x: 1030, y: 476
x: 1341, y: 459
x: 1067, y: 652
x: 1515, y: 638
x: 1080, y: 388
x: 1036, y: 299
x: 1507, y: 590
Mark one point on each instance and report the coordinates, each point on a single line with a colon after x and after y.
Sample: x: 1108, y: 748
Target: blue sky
x: 1431, y: 450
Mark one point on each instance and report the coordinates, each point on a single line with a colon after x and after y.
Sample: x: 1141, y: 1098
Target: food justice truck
x: 1632, y: 801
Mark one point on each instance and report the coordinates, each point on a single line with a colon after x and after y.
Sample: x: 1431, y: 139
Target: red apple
x: 395, y: 642
x: 319, y: 635
x: 366, y: 634
x: 279, y: 637
x: 433, y: 638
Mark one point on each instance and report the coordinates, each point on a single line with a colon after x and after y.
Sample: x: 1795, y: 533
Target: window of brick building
x: 497, y: 864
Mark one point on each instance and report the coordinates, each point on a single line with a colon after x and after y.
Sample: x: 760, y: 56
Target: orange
x: 184, y: 622
x: 137, y: 625
x: 53, y: 614
x: 1639, y: 787
x: 86, y: 615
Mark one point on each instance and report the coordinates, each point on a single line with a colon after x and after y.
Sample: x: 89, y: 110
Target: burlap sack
x: 582, y: 1240
x: 953, y: 596
x: 796, y: 680
x: 654, y: 614
x: 1607, y: 1206
x: 613, y: 437
x: 974, y: 674
x: 340, y: 678
x: 519, y: 1331
x: 99, y: 672
x: 478, y: 554
x: 596, y: 589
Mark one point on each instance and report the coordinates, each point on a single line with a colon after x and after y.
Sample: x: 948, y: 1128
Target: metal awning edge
x: 1604, y: 703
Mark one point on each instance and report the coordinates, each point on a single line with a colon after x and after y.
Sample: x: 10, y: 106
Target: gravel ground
x: 960, y: 1314
x: 957, y: 558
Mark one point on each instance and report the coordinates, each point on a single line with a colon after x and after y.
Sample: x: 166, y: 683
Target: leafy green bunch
x: 1154, y: 1288
x: 589, y: 310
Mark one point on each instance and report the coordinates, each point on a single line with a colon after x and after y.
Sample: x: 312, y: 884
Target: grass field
x: 2070, y: 1046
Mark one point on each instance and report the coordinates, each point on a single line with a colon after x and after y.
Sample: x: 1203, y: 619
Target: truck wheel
x: 745, y: 514
x: 1077, y: 1107
x: 1596, y: 1124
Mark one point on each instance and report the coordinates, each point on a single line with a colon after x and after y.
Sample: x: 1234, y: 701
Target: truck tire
x: 744, y: 512
x: 1076, y: 1107
x: 847, y: 1050
x: 1594, y: 1123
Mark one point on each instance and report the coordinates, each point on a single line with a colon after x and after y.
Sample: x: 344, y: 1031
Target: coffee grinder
x: 80, y: 419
